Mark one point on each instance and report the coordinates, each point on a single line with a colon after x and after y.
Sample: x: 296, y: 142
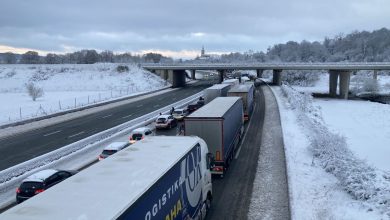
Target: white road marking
x: 74, y: 135
x: 54, y: 132
x: 107, y: 116
x: 156, y: 106
x: 243, y: 139
x: 139, y: 106
x: 127, y: 116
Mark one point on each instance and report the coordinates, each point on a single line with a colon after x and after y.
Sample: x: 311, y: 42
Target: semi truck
x: 156, y: 178
x: 217, y: 90
x: 231, y: 82
x: 220, y: 124
x: 246, y: 92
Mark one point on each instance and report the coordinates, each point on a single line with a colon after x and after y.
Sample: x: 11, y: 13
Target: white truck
x: 220, y: 124
x: 156, y: 178
x: 246, y: 92
x: 231, y: 82
x: 217, y: 90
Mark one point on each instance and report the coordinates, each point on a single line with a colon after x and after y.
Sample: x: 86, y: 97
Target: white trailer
x: 231, y: 82
x: 159, y: 177
x: 217, y: 90
x: 246, y: 92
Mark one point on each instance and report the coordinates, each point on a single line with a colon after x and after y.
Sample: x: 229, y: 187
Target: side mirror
x: 210, y: 161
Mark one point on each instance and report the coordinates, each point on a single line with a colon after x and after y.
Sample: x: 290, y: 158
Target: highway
x: 24, y: 146
x: 232, y: 194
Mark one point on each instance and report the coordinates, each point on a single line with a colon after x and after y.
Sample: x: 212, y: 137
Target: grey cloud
x: 169, y: 25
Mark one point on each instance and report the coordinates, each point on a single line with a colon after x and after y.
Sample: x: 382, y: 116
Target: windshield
x: 136, y: 137
x: 31, y: 185
x: 178, y: 112
x: 161, y: 120
x: 109, y: 152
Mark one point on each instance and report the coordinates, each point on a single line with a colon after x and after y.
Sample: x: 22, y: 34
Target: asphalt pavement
x: 232, y: 194
x: 22, y: 147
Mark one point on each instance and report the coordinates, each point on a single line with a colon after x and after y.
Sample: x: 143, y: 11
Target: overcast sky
x: 179, y: 28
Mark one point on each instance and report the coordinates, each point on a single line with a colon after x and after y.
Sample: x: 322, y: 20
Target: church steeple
x: 202, y: 51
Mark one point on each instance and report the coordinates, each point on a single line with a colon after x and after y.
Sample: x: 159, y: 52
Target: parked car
x: 139, y: 134
x: 179, y: 114
x: 112, y: 149
x: 165, y: 121
x: 39, y: 182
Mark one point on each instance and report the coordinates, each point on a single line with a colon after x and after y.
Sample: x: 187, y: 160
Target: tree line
x: 357, y: 46
x: 81, y: 57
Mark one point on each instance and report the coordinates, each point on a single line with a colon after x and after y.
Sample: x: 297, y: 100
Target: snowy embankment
x: 68, y: 86
x: 326, y: 179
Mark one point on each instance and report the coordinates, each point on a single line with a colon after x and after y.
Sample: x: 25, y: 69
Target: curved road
x: 22, y: 147
x: 262, y: 153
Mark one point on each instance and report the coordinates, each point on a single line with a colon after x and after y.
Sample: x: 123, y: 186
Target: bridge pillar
x: 221, y: 74
x: 193, y: 74
x: 375, y: 74
x: 333, y: 78
x: 277, y: 77
x: 178, y: 78
x: 165, y: 75
x: 259, y: 73
x: 345, y: 77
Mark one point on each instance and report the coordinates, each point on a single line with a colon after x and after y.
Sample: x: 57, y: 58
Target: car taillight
x: 218, y: 169
x: 131, y: 138
x: 100, y: 158
x: 17, y: 190
x: 39, y: 191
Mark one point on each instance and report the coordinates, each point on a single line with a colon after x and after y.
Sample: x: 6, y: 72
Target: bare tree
x: 34, y: 91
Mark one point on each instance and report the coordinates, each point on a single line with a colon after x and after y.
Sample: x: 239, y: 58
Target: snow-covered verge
x: 68, y: 86
x: 326, y: 179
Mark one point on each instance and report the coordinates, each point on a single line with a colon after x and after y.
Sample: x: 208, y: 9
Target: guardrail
x: 9, y: 177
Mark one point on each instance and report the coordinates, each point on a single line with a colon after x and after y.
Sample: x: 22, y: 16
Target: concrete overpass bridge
x: 339, y: 73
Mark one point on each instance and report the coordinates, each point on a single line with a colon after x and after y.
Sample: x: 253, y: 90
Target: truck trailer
x: 217, y: 90
x: 246, y: 92
x: 220, y: 124
x: 156, y: 178
x: 231, y: 82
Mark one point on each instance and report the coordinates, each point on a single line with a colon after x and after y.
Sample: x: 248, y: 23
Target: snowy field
x: 67, y: 87
x: 337, y: 154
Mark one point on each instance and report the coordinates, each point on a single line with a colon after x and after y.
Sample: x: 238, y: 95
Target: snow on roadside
x: 364, y: 124
x: 313, y: 154
x: 67, y: 86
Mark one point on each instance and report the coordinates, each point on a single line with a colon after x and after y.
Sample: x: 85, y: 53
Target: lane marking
x: 243, y: 139
x: 155, y: 106
x: 139, y: 106
x: 160, y: 98
x: 107, y: 116
x: 74, y: 135
x: 127, y: 116
x: 54, y: 132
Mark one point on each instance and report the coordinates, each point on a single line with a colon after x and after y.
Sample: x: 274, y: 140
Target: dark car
x: 193, y: 107
x: 39, y: 182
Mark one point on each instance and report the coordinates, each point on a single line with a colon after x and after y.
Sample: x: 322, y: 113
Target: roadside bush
x: 331, y: 152
x: 34, y: 91
x: 300, y: 78
x: 122, y: 68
